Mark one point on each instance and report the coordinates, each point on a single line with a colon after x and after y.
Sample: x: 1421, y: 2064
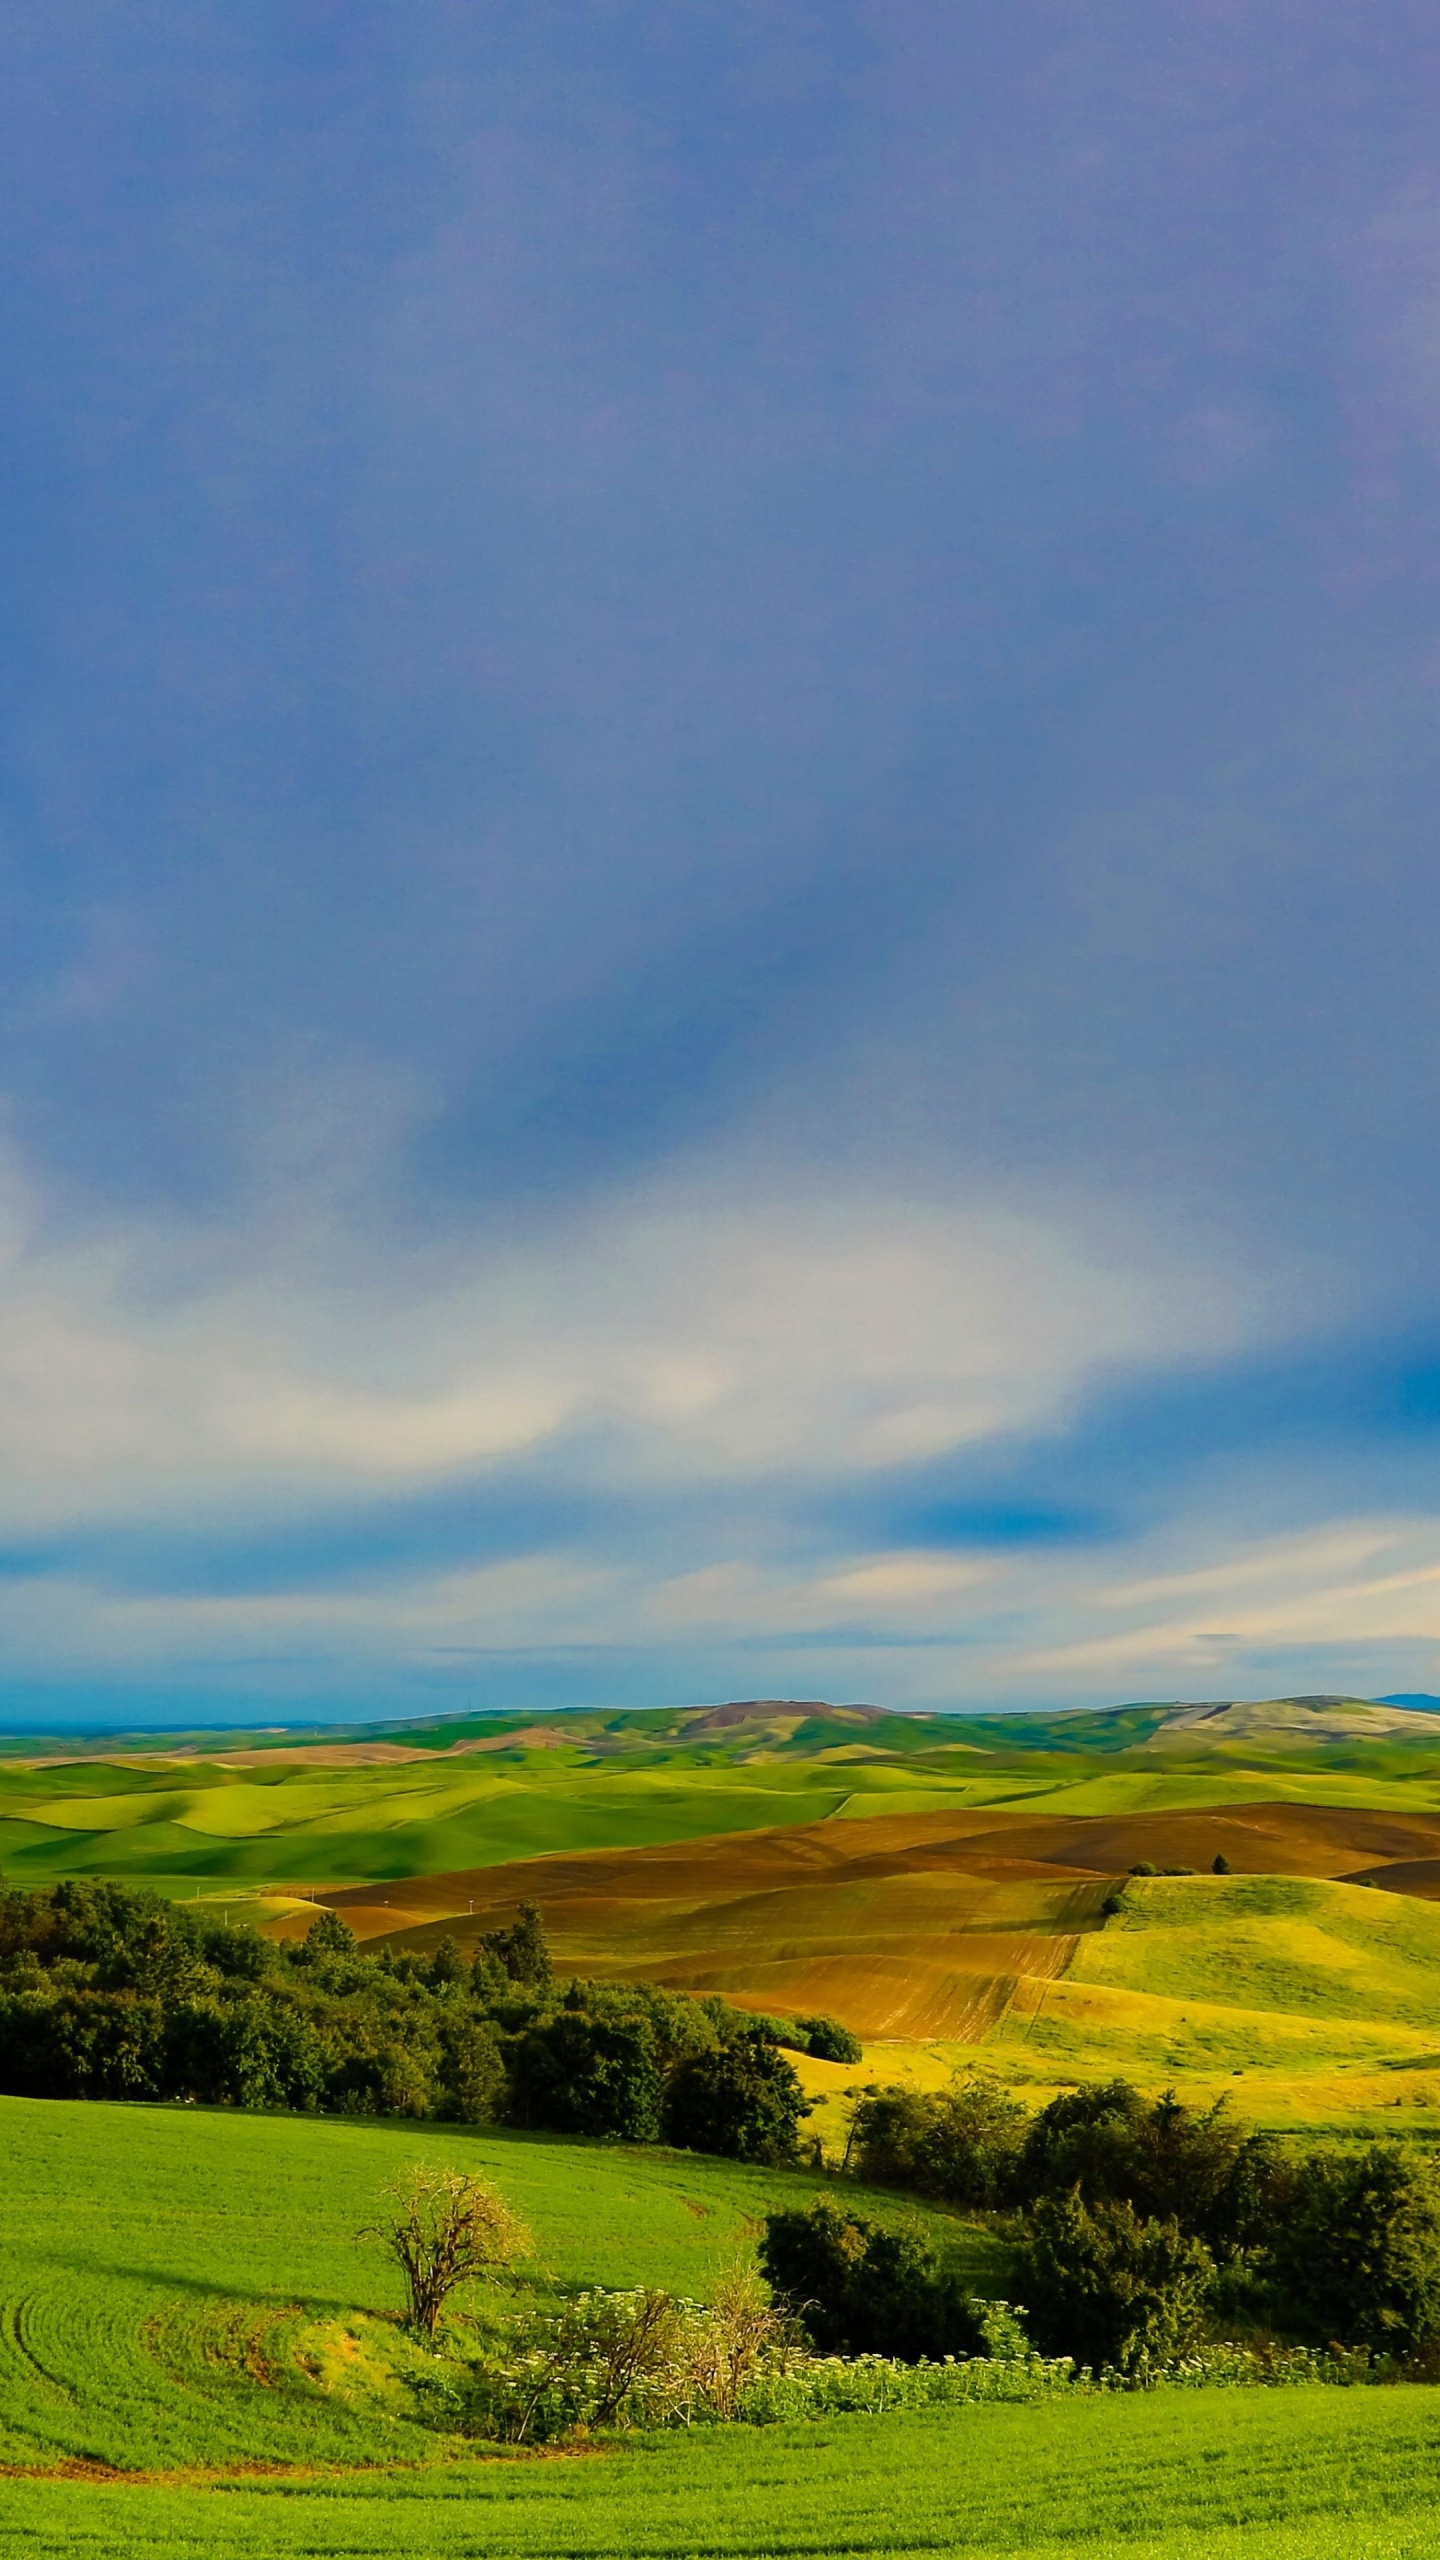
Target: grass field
x: 476, y: 1794
x: 182, y: 2298
x: 1303, y: 2475
x: 167, y: 2275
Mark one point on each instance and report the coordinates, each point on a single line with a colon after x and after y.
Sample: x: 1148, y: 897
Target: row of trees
x: 1139, y: 2225
x: 109, y: 1993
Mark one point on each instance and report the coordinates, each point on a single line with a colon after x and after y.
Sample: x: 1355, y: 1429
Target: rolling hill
x: 944, y: 1884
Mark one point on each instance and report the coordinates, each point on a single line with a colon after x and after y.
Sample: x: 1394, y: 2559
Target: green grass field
x: 183, y: 2301
x: 1304, y: 2475
x: 475, y: 1793
x: 168, y: 2275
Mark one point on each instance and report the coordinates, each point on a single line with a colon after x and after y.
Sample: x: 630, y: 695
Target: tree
x: 961, y: 2144
x: 1357, y: 2254
x: 447, y: 1964
x: 444, y: 2229
x: 1220, y: 1865
x: 1111, y: 2289
x: 828, y: 2041
x: 1082, y: 2139
x: 329, y: 1937
x: 743, y: 2101
x: 1164, y: 2158
x: 581, y: 2074
x: 858, y: 2289
x: 521, y: 1950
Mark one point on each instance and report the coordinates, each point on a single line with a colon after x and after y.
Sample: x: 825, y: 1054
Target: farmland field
x: 939, y: 1883
x: 183, y: 2300
x: 1299, y: 2475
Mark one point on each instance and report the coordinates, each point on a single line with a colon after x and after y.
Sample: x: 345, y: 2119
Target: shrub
x: 828, y: 2041
x: 858, y: 2289
x: 443, y: 2230
x: 962, y: 2144
x: 742, y: 2101
x: 1110, y: 2289
x: 581, y: 2074
x: 1357, y: 2255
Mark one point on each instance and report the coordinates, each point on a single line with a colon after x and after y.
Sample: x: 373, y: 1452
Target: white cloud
x: 709, y: 1333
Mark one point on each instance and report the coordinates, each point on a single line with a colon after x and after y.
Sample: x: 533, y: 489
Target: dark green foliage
x: 1112, y: 1906
x: 521, y: 1950
x: 1356, y: 2254
x: 1144, y: 1867
x: 962, y: 2145
x: 1220, y: 1866
x: 328, y: 1938
x: 742, y: 2101
x: 447, y: 1963
x: 109, y: 1993
x: 858, y: 2289
x: 828, y: 2041
x: 582, y: 2074
x: 1109, y: 2288
x: 1110, y: 2145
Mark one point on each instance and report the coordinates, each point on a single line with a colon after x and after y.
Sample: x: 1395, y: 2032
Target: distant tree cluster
x: 1139, y: 2225
x: 110, y: 1993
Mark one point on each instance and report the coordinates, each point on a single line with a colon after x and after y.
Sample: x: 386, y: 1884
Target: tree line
x: 1141, y: 2226
x: 106, y: 1992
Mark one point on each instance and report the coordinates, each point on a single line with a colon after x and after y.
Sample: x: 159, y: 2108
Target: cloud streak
x: 717, y: 908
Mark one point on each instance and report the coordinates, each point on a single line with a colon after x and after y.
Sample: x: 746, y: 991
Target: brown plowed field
x: 906, y: 1925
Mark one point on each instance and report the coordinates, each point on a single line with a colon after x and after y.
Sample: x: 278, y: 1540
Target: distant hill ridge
x: 1197, y: 1728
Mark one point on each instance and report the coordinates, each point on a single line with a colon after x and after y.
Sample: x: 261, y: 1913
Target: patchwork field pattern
x: 479, y: 1793
x: 939, y: 1883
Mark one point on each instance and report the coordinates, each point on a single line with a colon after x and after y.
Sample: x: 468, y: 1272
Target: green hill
x: 390, y: 1802
x: 191, y: 2368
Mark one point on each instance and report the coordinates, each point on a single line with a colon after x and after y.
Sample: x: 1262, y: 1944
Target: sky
x: 719, y: 909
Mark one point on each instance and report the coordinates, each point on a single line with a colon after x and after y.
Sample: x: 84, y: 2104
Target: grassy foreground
x: 181, y: 2289
x: 1229, y: 2475
x: 179, y: 2333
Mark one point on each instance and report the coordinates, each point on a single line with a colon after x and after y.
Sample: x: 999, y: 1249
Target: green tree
x: 1108, y: 2288
x: 829, y: 2041
x: 1357, y: 2255
x: 859, y: 2289
x: 580, y: 2074
x: 521, y: 1951
x: 742, y: 2101
x: 962, y: 2144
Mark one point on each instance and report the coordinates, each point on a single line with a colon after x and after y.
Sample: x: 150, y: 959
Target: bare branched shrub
x: 443, y: 2229
x: 742, y: 2334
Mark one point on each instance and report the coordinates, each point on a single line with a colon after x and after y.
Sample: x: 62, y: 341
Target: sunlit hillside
x: 952, y: 1888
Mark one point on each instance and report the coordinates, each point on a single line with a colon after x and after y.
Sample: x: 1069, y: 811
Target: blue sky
x: 719, y: 737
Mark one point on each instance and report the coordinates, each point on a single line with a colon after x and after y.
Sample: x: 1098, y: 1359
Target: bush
x: 580, y: 2074
x: 1357, y: 2255
x: 742, y: 2101
x: 858, y: 2289
x: 1110, y: 2289
x: 828, y: 2041
x: 963, y: 2144
x: 1162, y: 2157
